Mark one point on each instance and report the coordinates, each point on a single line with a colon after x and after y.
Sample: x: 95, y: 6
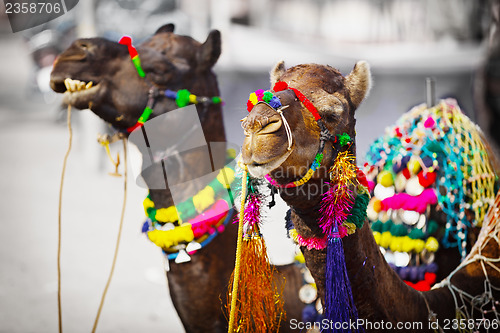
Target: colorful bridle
x: 182, y: 97
x: 268, y: 98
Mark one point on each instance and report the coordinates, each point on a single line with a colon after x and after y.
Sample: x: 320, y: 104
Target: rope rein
x: 59, y: 238
x: 120, y: 228
x: 237, y: 266
x: 59, y: 224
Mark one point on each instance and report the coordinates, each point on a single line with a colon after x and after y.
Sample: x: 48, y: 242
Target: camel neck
x: 379, y: 293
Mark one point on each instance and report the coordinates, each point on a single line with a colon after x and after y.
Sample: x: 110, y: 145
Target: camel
x: 282, y: 145
x: 108, y: 83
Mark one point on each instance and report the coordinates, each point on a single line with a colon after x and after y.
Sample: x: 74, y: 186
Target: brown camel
x: 119, y: 96
x: 379, y: 294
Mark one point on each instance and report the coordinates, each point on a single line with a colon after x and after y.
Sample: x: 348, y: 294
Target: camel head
x: 117, y: 93
x: 266, y: 145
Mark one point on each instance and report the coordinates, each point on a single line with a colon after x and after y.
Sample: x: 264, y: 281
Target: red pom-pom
x: 398, y: 132
x: 362, y: 177
x: 249, y: 106
x: 426, y: 180
x: 430, y: 278
x: 126, y: 40
x: 406, y: 173
x: 280, y: 85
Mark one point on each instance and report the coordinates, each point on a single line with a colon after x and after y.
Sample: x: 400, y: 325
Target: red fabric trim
x: 280, y: 85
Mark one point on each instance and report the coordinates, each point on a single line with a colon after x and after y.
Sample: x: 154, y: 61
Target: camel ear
x: 165, y: 28
x: 277, y: 72
x: 359, y: 82
x: 209, y: 52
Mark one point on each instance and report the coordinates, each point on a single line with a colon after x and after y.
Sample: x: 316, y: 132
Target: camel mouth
x: 259, y: 170
x: 76, y: 90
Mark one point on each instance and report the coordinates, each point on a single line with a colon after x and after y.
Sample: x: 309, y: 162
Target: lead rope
x: 115, y: 256
x: 236, y: 278
x: 59, y: 224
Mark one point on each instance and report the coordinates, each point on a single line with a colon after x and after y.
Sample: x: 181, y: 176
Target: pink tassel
x: 335, y: 207
x: 252, y: 209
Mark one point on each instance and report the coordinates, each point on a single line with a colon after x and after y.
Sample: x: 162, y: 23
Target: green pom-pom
x: 432, y: 227
x: 399, y: 230
x: 216, y: 100
x: 416, y: 234
x: 387, y: 226
x: 377, y: 226
x: 267, y: 96
x: 182, y: 98
x: 344, y: 139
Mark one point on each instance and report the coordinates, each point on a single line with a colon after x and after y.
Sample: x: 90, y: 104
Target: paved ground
x: 32, y: 145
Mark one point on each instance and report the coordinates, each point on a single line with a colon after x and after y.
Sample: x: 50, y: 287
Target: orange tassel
x: 259, y: 307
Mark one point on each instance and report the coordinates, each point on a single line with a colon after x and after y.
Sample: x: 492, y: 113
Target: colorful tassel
x: 339, y: 304
x: 258, y: 306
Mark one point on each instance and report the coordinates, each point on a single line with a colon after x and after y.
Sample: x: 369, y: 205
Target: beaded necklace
x: 182, y: 97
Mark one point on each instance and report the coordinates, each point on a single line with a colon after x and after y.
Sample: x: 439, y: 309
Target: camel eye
x: 83, y: 45
x: 331, y: 117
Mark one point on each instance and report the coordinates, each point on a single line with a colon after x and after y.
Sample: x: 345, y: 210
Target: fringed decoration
x: 339, y: 304
x: 338, y: 220
x: 335, y: 208
x: 258, y: 306
x: 252, y: 209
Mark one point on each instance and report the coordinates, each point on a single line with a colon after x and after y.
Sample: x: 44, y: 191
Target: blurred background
x: 405, y: 41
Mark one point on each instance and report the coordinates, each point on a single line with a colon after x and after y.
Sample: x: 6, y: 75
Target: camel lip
x: 259, y: 170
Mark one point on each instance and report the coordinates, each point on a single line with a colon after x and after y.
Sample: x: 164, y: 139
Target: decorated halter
x: 268, y: 98
x: 343, y: 206
x: 182, y: 97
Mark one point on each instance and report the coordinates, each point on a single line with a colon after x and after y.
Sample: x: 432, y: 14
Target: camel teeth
x: 67, y: 85
x: 77, y: 85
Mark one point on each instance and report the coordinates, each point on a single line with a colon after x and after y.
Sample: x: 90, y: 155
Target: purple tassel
x: 339, y: 307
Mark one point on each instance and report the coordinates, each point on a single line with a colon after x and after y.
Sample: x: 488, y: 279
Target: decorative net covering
x: 485, y: 254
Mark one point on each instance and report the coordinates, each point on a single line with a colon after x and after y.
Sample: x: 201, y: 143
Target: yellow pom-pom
x: 385, y: 240
x: 226, y: 174
x: 169, y: 238
x: 167, y: 214
x: 395, y: 245
x: 385, y: 178
x: 413, y: 165
x: 300, y: 257
x: 407, y: 245
x: 253, y: 98
x: 418, y: 245
x: 377, y: 237
x: 432, y: 244
x: 148, y: 203
x: 192, y: 99
x: 351, y: 227
x: 204, y: 199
